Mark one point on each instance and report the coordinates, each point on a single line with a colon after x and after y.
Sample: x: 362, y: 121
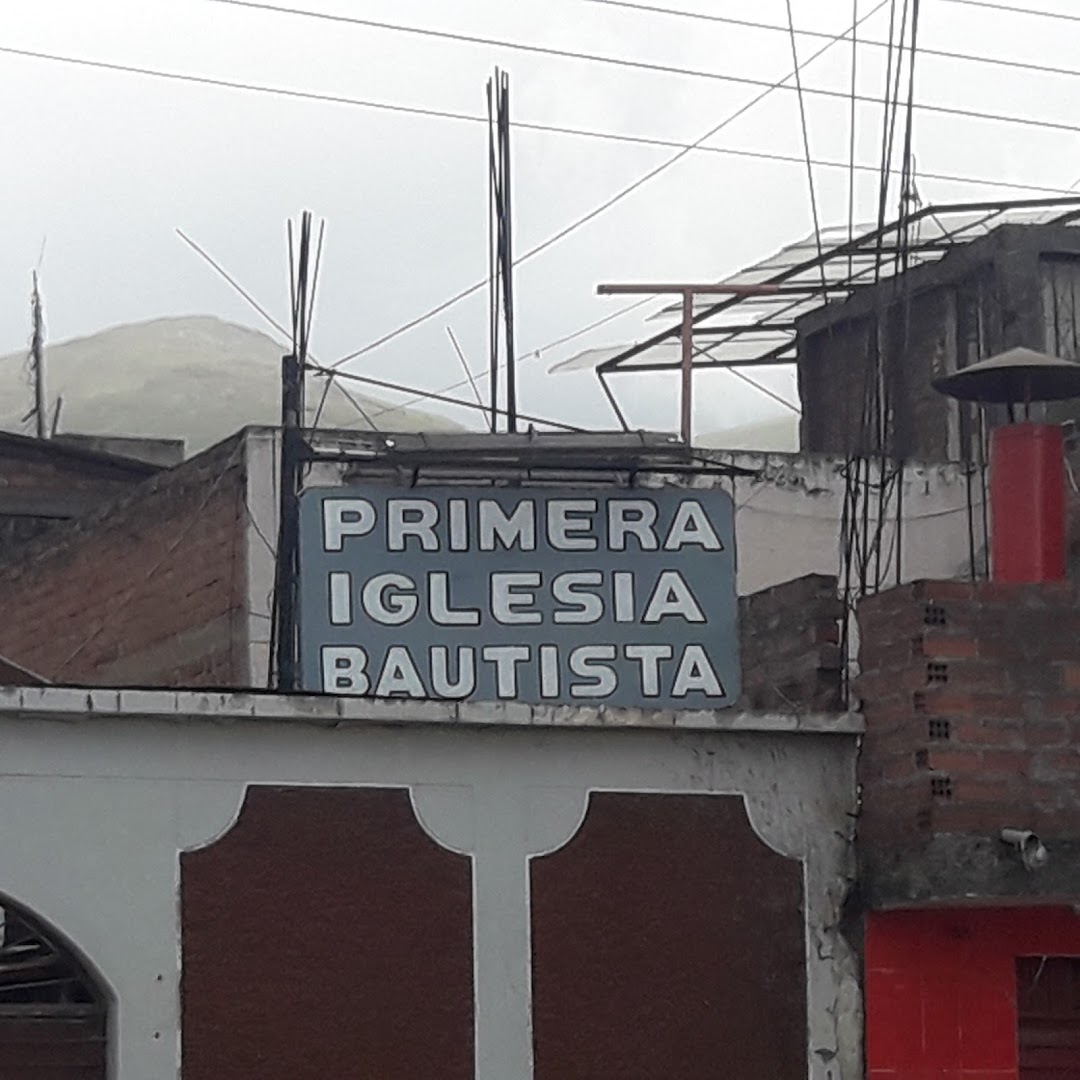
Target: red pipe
x: 1027, y: 503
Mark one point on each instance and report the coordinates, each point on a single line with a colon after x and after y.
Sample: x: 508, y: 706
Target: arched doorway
x: 53, y: 1012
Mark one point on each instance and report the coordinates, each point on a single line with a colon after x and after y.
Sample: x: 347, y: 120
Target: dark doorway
x: 52, y: 1012
x: 1048, y: 1017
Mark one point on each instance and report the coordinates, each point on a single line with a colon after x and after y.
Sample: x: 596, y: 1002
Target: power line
x: 683, y: 149
x: 1017, y: 10
x: 316, y: 368
x: 806, y: 143
x: 434, y: 395
x: 612, y: 200
x: 596, y: 211
x: 443, y: 114
x: 623, y: 62
x: 944, y: 54
x: 525, y: 356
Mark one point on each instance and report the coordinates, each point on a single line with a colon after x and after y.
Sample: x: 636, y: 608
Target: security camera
x: 1033, y: 853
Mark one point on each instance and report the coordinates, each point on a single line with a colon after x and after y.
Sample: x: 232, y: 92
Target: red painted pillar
x: 1027, y: 503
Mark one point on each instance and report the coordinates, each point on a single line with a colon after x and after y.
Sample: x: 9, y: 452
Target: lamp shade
x: 1017, y: 376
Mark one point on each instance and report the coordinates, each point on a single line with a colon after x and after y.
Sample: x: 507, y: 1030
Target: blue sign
x: 540, y: 595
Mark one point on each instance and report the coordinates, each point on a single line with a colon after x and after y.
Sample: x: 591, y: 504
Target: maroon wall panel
x: 668, y: 941
x: 326, y: 935
x: 54, y: 1043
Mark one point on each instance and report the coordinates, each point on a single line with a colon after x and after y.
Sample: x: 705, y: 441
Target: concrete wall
x: 787, y: 519
x: 117, y: 784
x: 1010, y: 287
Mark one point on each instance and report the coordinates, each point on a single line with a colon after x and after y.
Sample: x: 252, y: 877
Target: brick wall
x: 790, y: 646
x: 146, y: 591
x: 971, y: 695
x: 42, y: 483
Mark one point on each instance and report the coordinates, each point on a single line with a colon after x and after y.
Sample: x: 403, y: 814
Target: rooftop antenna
x: 500, y: 247
x: 40, y: 411
x: 303, y: 277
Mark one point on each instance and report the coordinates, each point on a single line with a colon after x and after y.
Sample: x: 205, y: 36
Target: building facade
x: 314, y: 886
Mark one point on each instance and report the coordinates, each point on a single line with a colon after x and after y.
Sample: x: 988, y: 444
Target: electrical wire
x: 596, y: 211
x: 623, y: 62
x: 806, y: 147
x: 1016, y: 10
x: 317, y: 369
x: 944, y: 54
x: 435, y: 395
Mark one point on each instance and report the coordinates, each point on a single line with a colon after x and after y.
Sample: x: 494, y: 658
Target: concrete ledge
x: 953, y: 869
x: 74, y: 704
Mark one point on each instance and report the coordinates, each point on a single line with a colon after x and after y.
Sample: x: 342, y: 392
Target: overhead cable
x: 751, y: 24
x: 523, y: 125
x: 1014, y: 10
x: 610, y: 201
x: 624, y: 62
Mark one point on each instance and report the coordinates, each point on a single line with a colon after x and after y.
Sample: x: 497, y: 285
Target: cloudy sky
x: 103, y: 166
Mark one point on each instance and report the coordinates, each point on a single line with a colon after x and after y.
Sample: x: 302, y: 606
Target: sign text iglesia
x: 542, y: 595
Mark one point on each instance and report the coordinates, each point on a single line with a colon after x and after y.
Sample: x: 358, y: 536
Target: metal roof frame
x: 757, y: 330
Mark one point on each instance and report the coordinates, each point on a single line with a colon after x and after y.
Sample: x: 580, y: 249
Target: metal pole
x: 288, y: 532
x: 687, y: 401
x: 37, y: 360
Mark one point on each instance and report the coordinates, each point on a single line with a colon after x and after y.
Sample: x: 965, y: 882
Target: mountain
x: 778, y: 433
x: 196, y: 378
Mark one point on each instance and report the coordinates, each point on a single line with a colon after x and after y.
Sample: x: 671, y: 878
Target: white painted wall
x: 787, y: 519
x: 117, y: 783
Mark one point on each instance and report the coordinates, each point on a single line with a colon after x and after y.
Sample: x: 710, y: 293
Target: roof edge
x: 67, y: 704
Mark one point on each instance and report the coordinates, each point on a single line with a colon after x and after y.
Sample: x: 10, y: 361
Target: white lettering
x: 345, y: 517
x: 648, y: 658
x: 672, y: 596
x: 411, y: 517
x: 439, y: 603
x: 691, y: 525
x: 399, y: 676
x: 343, y: 669
x: 340, y: 598
x: 632, y: 517
x: 585, y: 607
x: 563, y: 523
x: 695, y: 672
x: 505, y: 602
x: 393, y: 610
x: 624, y: 595
x: 518, y: 528
x: 549, y: 671
x: 459, y: 525
x: 464, y: 684
x: 583, y: 662
x: 506, y: 659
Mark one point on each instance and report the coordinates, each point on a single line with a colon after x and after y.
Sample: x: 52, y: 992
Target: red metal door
x: 1048, y: 1017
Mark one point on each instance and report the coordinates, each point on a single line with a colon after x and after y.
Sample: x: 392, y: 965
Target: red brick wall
x: 61, y: 475
x: 789, y: 637
x: 31, y: 474
x: 971, y: 694
x: 147, y: 591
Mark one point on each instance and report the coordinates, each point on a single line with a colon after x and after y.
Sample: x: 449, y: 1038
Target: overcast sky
x: 104, y: 166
